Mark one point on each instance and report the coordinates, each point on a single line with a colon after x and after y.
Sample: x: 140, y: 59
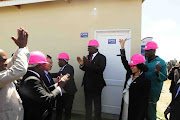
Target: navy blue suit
x: 66, y: 100
x: 49, y: 82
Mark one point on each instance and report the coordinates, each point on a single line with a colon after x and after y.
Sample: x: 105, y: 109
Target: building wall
x: 55, y: 27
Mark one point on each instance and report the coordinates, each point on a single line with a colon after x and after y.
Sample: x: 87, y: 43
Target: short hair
x: 142, y: 67
x: 48, y: 56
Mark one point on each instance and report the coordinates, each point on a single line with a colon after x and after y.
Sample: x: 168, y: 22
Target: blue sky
x: 161, y: 20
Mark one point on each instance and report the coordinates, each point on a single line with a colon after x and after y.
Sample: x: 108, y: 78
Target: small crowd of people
x: 27, y: 88
x: 35, y: 94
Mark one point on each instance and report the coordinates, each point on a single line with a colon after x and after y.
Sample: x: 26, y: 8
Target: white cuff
x: 59, y: 90
x: 20, y: 49
x: 57, y: 87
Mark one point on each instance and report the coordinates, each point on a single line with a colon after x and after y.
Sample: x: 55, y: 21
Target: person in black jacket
x: 35, y: 95
x: 49, y: 82
x: 174, y: 106
x: 136, y: 88
x: 93, y: 80
x: 47, y: 75
x: 174, y: 76
x: 68, y: 91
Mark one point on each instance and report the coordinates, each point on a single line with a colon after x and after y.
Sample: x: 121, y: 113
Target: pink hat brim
x: 132, y: 64
x: 149, y: 48
x: 42, y: 62
x: 146, y: 49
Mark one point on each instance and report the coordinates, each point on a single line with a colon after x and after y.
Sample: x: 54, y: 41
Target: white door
x: 114, y: 73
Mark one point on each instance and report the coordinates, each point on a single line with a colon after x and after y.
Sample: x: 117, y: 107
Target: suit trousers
x: 89, y: 100
x: 64, y: 102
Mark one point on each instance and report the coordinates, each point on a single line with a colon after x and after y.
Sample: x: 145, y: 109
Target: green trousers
x: 152, y: 108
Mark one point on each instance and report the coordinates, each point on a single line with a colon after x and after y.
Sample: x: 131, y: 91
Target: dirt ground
x: 164, y: 100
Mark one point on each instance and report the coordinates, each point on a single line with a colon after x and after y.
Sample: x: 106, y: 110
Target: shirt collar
x: 34, y: 73
x: 155, y: 59
x: 63, y: 67
x: 94, y: 55
x: 46, y: 72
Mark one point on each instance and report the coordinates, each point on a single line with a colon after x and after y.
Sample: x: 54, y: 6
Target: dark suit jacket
x: 138, y: 93
x: 175, y: 104
x: 93, y: 79
x: 171, y: 77
x: 45, y: 79
x: 36, y: 96
x: 70, y: 86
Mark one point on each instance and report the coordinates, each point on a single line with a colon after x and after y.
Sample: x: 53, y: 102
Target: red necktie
x: 91, y: 58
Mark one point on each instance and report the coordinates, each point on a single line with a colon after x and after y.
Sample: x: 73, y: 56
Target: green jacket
x: 156, y: 81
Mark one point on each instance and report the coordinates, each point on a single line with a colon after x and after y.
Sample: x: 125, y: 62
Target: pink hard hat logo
x: 37, y: 57
x: 150, y: 45
x: 93, y: 43
x: 63, y: 56
x: 137, y: 59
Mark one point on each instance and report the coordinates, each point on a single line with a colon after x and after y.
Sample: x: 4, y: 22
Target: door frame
x: 128, y: 57
x: 109, y: 82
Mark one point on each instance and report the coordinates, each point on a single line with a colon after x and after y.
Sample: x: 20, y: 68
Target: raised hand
x: 158, y: 67
x: 86, y: 61
x: 80, y: 61
x: 122, y: 43
x: 22, y: 39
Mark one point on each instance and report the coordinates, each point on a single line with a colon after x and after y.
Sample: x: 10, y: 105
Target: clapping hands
x: 62, y: 80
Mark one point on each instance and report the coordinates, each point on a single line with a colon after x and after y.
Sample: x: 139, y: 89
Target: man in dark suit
x: 47, y: 76
x: 174, y: 106
x: 49, y: 82
x: 35, y: 95
x: 93, y: 80
x: 66, y: 100
x: 174, y: 76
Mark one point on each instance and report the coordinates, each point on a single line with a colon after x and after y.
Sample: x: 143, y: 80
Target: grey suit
x: 10, y: 103
x: 36, y: 96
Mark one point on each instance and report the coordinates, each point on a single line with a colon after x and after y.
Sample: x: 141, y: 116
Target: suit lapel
x: 44, y: 85
x: 95, y: 58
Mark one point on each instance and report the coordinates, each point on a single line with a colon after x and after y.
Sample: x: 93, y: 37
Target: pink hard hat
x: 137, y: 59
x: 37, y: 57
x: 93, y: 43
x: 150, y: 45
x: 63, y: 56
